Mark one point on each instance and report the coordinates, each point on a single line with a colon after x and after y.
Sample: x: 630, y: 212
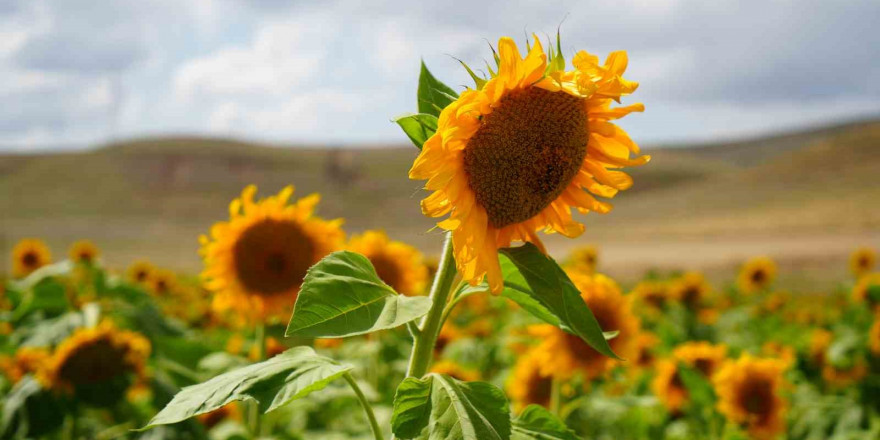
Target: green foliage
x: 343, y: 296
x: 433, y: 95
x: 450, y: 409
x: 291, y: 375
x: 418, y: 127
x: 536, y: 423
x: 45, y: 295
x: 549, y: 285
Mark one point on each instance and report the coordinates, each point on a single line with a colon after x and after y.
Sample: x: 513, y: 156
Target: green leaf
x: 46, y: 295
x: 418, y: 127
x: 550, y: 286
x: 433, y: 96
x: 343, y: 296
x: 451, y: 409
x: 29, y: 411
x: 536, y: 423
x: 273, y: 383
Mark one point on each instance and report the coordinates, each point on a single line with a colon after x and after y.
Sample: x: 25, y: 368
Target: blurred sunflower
x: 453, y: 369
x: 273, y: 348
x: 773, y: 303
x: 756, y: 274
x: 97, y: 364
x: 256, y: 262
x: 779, y: 351
x: 842, y: 377
x: 328, y: 342
x: 874, y: 336
x: 701, y: 356
x: 140, y: 272
x: 652, y: 293
x: 862, y: 261
x: 211, y: 419
x: 868, y: 290
x: 26, y: 360
x: 565, y: 354
x: 583, y: 259
x: 820, y: 340
x: 516, y: 154
x: 398, y: 264
x: 668, y: 386
x: 646, y: 342
x: 750, y: 394
x: 83, y: 252
x: 29, y: 255
x: 690, y: 289
x: 448, y: 333
x: 528, y: 385
x: 163, y: 282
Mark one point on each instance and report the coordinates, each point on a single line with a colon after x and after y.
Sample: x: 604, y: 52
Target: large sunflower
x: 750, y: 394
x: 98, y: 364
x: 83, y: 252
x: 516, y: 154
x: 862, y: 261
x: 29, y: 255
x: 257, y: 260
x: 528, y: 384
x: 398, y: 264
x: 566, y: 354
x: 756, y: 274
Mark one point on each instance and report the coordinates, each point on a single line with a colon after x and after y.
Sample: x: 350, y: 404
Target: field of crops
x: 296, y: 328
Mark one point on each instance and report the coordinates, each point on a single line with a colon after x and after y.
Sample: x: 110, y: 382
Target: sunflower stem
x: 260, y: 344
x: 423, y: 345
x: 368, y: 409
x: 556, y: 396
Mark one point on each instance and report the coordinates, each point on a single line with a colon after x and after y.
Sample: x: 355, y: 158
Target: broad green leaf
x: 29, y: 411
x: 46, y: 295
x: 418, y: 127
x: 272, y: 383
x: 342, y: 296
x: 550, y: 286
x: 536, y: 423
x: 433, y: 95
x: 450, y: 409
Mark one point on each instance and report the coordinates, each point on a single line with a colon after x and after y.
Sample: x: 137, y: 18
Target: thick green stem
x: 423, y: 345
x: 556, y: 396
x: 260, y: 341
x: 368, y: 409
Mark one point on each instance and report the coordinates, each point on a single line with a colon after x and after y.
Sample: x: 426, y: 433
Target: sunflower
x: 256, y: 262
x: 29, y: 255
x: 516, y: 154
x: 566, y: 353
x: 779, y: 351
x: 97, y: 364
x: 652, y: 293
x: 140, y: 272
x: 820, y: 340
x: 583, y: 259
x: 273, y: 348
x: 701, y: 356
x: 874, y: 336
x: 868, y: 290
x: 83, y: 252
x: 453, y: 369
x: 750, y: 394
x: 26, y: 360
x: 773, y: 303
x: 690, y: 289
x: 163, y: 282
x: 528, y: 384
x: 756, y: 274
x: 842, y: 377
x: 669, y: 387
x: 646, y: 342
x: 398, y: 264
x: 862, y: 261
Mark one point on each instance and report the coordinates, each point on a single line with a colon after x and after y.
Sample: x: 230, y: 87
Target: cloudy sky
x: 76, y: 73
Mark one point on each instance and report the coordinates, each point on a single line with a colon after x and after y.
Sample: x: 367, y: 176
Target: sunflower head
x: 514, y: 155
x: 750, y: 394
x: 583, y: 259
x: 140, y: 272
x: 701, y: 356
x: 867, y: 290
x: 256, y: 261
x: 163, y: 282
x: 26, y: 360
x: 756, y: 274
x: 97, y: 364
x: 455, y: 370
x: 398, y: 264
x: 669, y: 387
x: 528, y: 384
x: 646, y: 342
x: 843, y: 377
x: 83, y: 252
x: 652, y: 293
x: 690, y: 289
x: 28, y: 255
x: 820, y: 340
x: 779, y: 351
x: 862, y: 261
x: 568, y: 354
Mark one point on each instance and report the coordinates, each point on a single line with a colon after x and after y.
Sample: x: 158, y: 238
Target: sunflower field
x: 296, y: 329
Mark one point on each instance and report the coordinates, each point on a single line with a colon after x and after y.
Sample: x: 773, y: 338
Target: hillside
x: 152, y: 198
